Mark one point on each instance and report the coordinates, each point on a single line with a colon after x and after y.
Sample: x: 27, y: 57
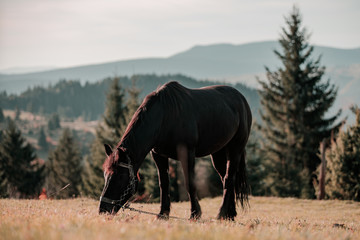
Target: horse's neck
x: 142, y: 137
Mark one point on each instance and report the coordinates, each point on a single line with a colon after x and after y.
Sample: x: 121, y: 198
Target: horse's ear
x: 108, y: 149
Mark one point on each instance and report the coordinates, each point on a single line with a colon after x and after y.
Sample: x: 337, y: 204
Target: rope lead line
x: 63, y: 188
x: 149, y: 213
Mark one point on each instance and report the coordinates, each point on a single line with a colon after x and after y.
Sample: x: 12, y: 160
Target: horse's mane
x: 170, y: 97
x: 173, y: 97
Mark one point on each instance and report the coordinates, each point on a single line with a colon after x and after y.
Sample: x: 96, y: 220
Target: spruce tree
x: 21, y: 174
x: 256, y: 169
x: 132, y: 104
x: 343, y: 163
x: 64, y: 167
x: 2, y: 117
x: 17, y: 113
x: 294, y: 102
x: 107, y: 132
x: 54, y: 122
x: 42, y: 140
x: 92, y: 178
x: 115, y: 112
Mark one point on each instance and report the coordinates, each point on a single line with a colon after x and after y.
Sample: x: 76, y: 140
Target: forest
x: 71, y: 99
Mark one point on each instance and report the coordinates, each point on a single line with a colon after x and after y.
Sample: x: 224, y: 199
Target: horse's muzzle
x: 107, y: 208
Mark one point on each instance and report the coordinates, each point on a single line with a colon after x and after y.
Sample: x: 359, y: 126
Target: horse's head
x: 120, y: 181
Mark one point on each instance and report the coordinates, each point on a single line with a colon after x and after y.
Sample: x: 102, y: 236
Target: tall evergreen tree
x: 54, y: 122
x: 64, y: 167
x: 343, y: 163
x: 115, y: 112
x: 294, y: 101
x: 17, y: 113
x: 42, y: 140
x: 132, y: 104
x: 2, y: 117
x: 108, y: 132
x: 21, y: 175
x: 256, y: 168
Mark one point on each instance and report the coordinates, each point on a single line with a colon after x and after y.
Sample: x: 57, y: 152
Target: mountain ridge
x: 224, y: 62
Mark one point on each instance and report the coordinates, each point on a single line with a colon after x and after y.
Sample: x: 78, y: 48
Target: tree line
x: 71, y: 99
x: 283, y: 152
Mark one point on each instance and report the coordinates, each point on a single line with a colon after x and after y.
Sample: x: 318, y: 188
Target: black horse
x: 180, y: 123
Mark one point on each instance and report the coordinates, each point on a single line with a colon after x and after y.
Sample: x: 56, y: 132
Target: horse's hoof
x: 195, y: 216
x: 162, y: 216
x: 232, y: 219
x: 194, y: 219
x: 225, y: 217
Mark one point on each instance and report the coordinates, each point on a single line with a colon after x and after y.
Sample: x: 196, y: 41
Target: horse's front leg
x: 162, y: 164
x: 187, y: 159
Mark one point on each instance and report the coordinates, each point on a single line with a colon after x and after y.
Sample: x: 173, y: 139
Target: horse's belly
x: 216, y: 136
x: 213, y: 134
x: 207, y: 147
x: 206, y: 144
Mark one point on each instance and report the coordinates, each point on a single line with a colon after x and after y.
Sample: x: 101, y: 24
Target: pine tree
x: 42, y: 140
x: 17, y: 113
x: 21, y: 174
x: 149, y: 183
x: 64, y: 167
x: 256, y: 168
x: 54, y: 122
x: 132, y: 104
x: 294, y: 101
x: 2, y: 117
x: 92, y: 178
x: 115, y: 112
x: 343, y: 163
x: 108, y: 132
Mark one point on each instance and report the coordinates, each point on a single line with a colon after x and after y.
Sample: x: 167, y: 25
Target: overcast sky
x: 65, y: 33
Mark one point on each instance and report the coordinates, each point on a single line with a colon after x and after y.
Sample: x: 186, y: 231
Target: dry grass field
x: 268, y: 218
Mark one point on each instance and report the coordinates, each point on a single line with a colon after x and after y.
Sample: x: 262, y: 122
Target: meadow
x: 268, y: 218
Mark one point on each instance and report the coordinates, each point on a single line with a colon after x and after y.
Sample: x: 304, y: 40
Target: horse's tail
x: 241, y: 184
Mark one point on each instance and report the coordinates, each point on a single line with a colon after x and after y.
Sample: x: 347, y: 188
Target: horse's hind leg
x: 219, y: 162
x: 228, y: 207
x: 162, y: 164
x: 187, y: 159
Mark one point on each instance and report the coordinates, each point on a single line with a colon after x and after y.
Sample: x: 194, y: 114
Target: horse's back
x: 223, y: 116
x: 206, y: 118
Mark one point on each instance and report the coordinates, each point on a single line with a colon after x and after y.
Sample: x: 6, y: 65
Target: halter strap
x: 108, y: 200
x: 125, y: 165
x: 130, y: 187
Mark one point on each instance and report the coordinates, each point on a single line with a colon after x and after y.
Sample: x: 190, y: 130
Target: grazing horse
x: 180, y: 123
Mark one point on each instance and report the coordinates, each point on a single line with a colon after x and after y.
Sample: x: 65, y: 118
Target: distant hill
x: 224, y: 62
x: 23, y: 70
x: 219, y: 62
